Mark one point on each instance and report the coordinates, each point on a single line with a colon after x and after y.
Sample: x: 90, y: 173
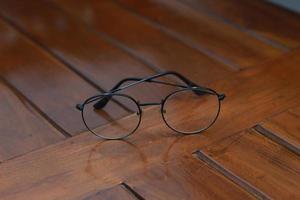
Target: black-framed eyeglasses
x: 190, y: 110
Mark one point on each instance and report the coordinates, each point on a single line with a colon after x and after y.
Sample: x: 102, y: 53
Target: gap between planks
x: 231, y: 65
x: 39, y: 111
x: 230, y: 175
x: 238, y: 180
x: 47, y: 50
x: 132, y: 191
x: 277, y: 139
x: 114, y: 43
x: 262, y: 38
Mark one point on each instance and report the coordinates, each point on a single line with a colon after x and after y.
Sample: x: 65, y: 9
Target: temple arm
x: 102, y: 102
x: 151, y: 79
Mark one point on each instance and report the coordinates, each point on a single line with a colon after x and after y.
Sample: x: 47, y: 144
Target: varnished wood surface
x: 85, y: 51
x: 230, y: 175
x: 21, y: 127
x: 54, y: 54
x: 257, y: 17
x: 118, y: 192
x: 201, y: 31
x: 100, y: 164
x: 265, y: 164
x: 189, y: 179
x: 286, y: 125
x: 53, y: 88
x: 147, y: 42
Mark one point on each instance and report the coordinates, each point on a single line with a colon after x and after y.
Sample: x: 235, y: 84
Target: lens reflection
x: 117, y: 127
x: 191, y: 111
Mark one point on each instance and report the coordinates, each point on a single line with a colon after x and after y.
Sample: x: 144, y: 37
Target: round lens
x: 191, y: 111
x: 116, y: 127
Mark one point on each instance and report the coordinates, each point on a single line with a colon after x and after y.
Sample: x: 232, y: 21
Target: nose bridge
x: 150, y: 104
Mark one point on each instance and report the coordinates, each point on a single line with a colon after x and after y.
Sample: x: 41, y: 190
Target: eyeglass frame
x: 189, y: 86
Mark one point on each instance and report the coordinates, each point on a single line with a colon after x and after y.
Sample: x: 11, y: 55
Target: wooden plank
x: 22, y: 129
x: 189, y: 179
x: 83, y: 163
x: 80, y: 48
x: 231, y: 176
x: 102, y: 164
x: 286, y: 125
x: 279, y: 140
x: 265, y: 164
x: 48, y: 84
x: 145, y: 41
x: 204, y: 32
x: 117, y: 192
x: 260, y: 23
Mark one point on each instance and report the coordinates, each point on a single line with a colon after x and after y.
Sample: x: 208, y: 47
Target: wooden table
x: 54, y: 54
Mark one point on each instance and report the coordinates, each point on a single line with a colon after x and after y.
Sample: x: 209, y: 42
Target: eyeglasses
x: 190, y: 110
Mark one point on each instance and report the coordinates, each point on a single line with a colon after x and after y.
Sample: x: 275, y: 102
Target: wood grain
x: 187, y: 179
x: 263, y: 163
x: 256, y: 17
x: 286, y: 125
x: 81, y: 49
x: 145, y: 41
x: 83, y: 164
x: 279, y: 140
x: 101, y: 165
x: 204, y: 32
x: 46, y: 69
x: 117, y: 192
x: 22, y: 128
x: 230, y: 175
x: 48, y: 84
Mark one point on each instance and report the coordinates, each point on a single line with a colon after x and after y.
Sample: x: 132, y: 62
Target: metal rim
x: 193, y: 89
x: 92, y: 99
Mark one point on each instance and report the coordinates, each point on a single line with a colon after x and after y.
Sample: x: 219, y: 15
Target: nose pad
x: 138, y: 113
x: 164, y: 111
x: 161, y: 104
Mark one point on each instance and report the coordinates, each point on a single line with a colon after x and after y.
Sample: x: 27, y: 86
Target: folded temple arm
x: 151, y: 79
x: 102, y: 102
